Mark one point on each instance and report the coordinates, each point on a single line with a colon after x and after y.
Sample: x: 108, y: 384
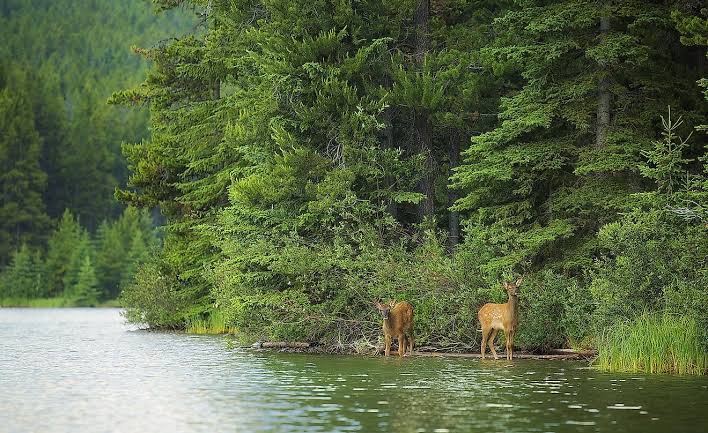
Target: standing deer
x: 397, y: 323
x: 495, y: 317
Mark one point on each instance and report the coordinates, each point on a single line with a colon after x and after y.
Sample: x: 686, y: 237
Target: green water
x: 84, y: 370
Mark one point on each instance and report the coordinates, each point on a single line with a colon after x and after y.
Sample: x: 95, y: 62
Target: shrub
x: 653, y: 261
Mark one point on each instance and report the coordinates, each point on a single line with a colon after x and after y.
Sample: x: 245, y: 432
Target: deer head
x: 384, y: 309
x: 513, y: 288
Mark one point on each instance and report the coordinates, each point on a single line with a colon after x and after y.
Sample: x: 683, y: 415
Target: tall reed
x: 215, y: 323
x: 653, y: 343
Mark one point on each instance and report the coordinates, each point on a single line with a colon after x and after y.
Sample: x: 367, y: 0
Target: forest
x: 62, y: 233
x: 308, y: 158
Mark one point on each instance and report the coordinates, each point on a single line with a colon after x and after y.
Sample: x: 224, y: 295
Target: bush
x: 653, y: 261
x: 153, y: 297
x: 553, y: 312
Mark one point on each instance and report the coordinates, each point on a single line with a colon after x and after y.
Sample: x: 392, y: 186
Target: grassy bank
x: 214, y: 323
x: 51, y: 303
x: 653, y: 344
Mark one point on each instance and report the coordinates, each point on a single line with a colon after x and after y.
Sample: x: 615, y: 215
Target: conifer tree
x: 61, y: 246
x: 593, y: 79
x: 20, y: 279
x: 22, y: 180
x: 111, y: 257
x: 82, y: 250
x: 137, y: 255
x: 85, y: 292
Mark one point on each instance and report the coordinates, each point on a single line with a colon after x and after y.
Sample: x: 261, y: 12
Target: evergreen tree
x: 21, y: 279
x: 81, y: 251
x: 85, y: 292
x: 563, y: 161
x: 111, y: 256
x: 137, y: 255
x: 22, y: 180
x: 61, y: 246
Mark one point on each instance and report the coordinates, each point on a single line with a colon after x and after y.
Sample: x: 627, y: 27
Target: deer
x: 496, y: 317
x: 397, y: 323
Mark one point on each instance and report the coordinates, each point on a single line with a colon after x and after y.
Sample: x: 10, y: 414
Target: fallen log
x: 281, y: 345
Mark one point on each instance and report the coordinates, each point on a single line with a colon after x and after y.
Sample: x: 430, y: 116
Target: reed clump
x: 653, y: 343
x: 214, y: 323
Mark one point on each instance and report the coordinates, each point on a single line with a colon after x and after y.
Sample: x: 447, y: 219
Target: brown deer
x: 495, y: 317
x: 397, y: 323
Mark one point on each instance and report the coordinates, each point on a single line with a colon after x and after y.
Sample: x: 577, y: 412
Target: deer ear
x: 378, y: 305
x: 392, y: 303
x: 505, y: 284
x: 518, y: 282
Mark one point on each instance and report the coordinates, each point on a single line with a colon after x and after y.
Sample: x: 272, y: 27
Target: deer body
x: 504, y: 317
x: 397, y: 323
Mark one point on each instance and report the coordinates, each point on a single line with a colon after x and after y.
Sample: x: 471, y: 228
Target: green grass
x: 49, y: 303
x: 215, y: 323
x: 653, y: 343
x: 36, y: 303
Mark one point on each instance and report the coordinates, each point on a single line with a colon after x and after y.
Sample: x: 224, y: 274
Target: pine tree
x: 111, y: 256
x: 61, y: 246
x: 137, y: 255
x: 592, y: 79
x: 22, y: 180
x: 82, y: 250
x: 85, y: 292
x: 20, y: 277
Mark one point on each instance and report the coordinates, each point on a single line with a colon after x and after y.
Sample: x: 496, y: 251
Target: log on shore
x: 519, y: 355
x: 281, y: 345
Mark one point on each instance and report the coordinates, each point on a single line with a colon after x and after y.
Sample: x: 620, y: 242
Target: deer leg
x: 388, y: 344
x: 512, y: 336
x: 491, y: 343
x: 401, y: 344
x: 410, y: 340
x: 485, y: 334
x: 509, y: 336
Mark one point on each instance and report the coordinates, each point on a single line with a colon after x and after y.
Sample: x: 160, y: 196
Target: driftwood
x: 521, y: 355
x: 281, y: 345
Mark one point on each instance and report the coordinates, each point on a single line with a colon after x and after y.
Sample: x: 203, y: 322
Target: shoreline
x: 303, y: 347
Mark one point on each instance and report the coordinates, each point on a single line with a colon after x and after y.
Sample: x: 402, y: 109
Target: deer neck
x: 513, y: 306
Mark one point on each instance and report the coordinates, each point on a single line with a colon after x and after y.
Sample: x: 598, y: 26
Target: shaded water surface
x: 71, y: 370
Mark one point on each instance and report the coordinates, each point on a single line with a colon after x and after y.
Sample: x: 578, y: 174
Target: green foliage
x: 85, y: 291
x: 60, y: 251
x: 121, y: 246
x: 554, y: 312
x: 653, y: 344
x: 653, y: 261
x: 667, y: 165
x: 154, y: 297
x: 24, y: 277
x: 22, y: 179
x: 80, y: 252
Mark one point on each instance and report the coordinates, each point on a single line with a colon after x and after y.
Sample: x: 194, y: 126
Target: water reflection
x: 84, y: 370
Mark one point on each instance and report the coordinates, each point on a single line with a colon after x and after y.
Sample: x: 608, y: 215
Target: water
x: 73, y: 370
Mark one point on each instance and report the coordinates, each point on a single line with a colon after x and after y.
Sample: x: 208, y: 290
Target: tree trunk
x: 389, y: 144
x: 454, y: 218
x: 603, y: 103
x: 421, y: 122
x: 216, y: 91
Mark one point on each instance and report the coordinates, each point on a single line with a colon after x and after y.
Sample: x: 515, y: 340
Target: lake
x: 72, y: 370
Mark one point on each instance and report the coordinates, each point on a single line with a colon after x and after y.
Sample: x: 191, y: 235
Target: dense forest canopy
x: 60, y: 146
x: 313, y: 156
